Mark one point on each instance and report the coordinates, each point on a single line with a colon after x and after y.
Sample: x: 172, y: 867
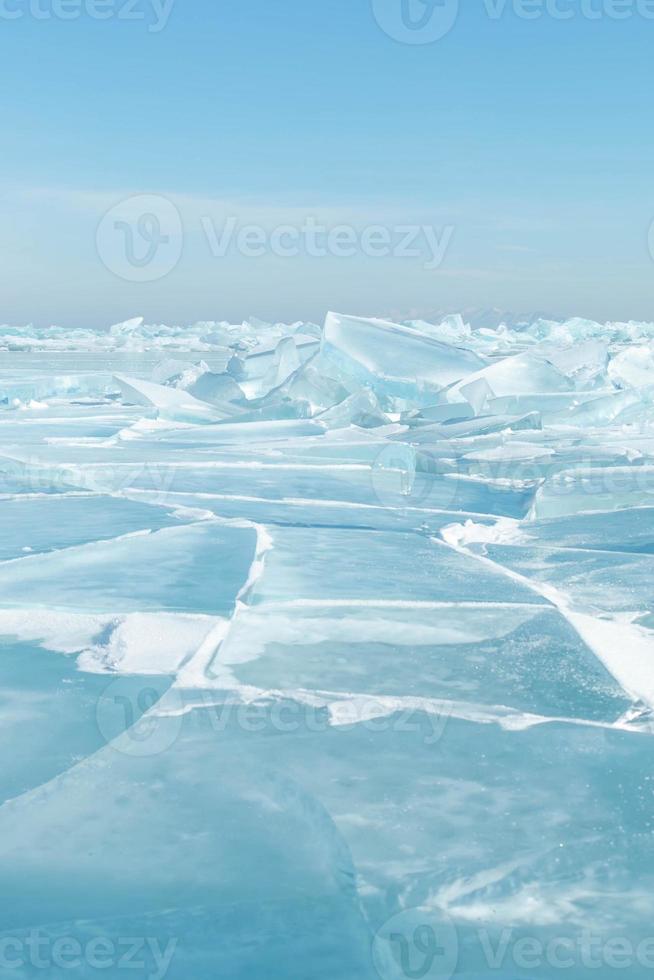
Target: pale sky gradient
x: 530, y: 140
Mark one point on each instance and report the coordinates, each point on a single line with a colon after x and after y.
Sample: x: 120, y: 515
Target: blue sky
x: 525, y: 144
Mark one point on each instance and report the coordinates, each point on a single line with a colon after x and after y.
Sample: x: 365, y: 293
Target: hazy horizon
x: 513, y: 146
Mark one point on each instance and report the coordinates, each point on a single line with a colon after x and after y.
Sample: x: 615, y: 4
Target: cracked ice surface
x: 327, y: 652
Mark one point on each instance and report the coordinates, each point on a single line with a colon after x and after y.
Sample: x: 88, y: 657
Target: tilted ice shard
x: 314, y: 385
x: 360, y: 409
x: 584, y: 363
x: 477, y: 394
x: 633, y: 367
x: 451, y: 330
x: 174, y: 404
x: 605, y: 409
x: 269, y: 365
x: 520, y: 374
x: 394, y: 359
x: 480, y: 425
x: 286, y: 361
x: 216, y: 388
x: 127, y: 327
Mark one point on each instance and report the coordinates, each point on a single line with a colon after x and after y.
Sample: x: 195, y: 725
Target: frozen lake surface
x: 327, y: 651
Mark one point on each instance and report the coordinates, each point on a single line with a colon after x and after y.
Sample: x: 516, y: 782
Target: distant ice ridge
x: 135, y: 335
x: 488, y: 331
x: 328, y: 648
x: 268, y: 367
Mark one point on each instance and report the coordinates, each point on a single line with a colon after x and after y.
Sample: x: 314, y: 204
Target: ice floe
x: 311, y: 635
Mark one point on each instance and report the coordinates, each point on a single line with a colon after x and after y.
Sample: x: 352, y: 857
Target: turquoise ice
x: 327, y: 652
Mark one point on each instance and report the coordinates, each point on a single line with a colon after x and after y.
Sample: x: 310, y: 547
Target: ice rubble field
x: 319, y: 644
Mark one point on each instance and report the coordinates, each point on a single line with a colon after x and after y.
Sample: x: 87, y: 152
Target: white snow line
x: 397, y: 604
x: 350, y: 708
x: 195, y: 671
x: 240, y: 465
x: 304, y: 502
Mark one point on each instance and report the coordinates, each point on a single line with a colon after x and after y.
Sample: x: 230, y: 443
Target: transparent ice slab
x: 461, y: 656
x: 49, y: 523
x: 178, y: 837
x: 49, y: 716
x: 197, y: 568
